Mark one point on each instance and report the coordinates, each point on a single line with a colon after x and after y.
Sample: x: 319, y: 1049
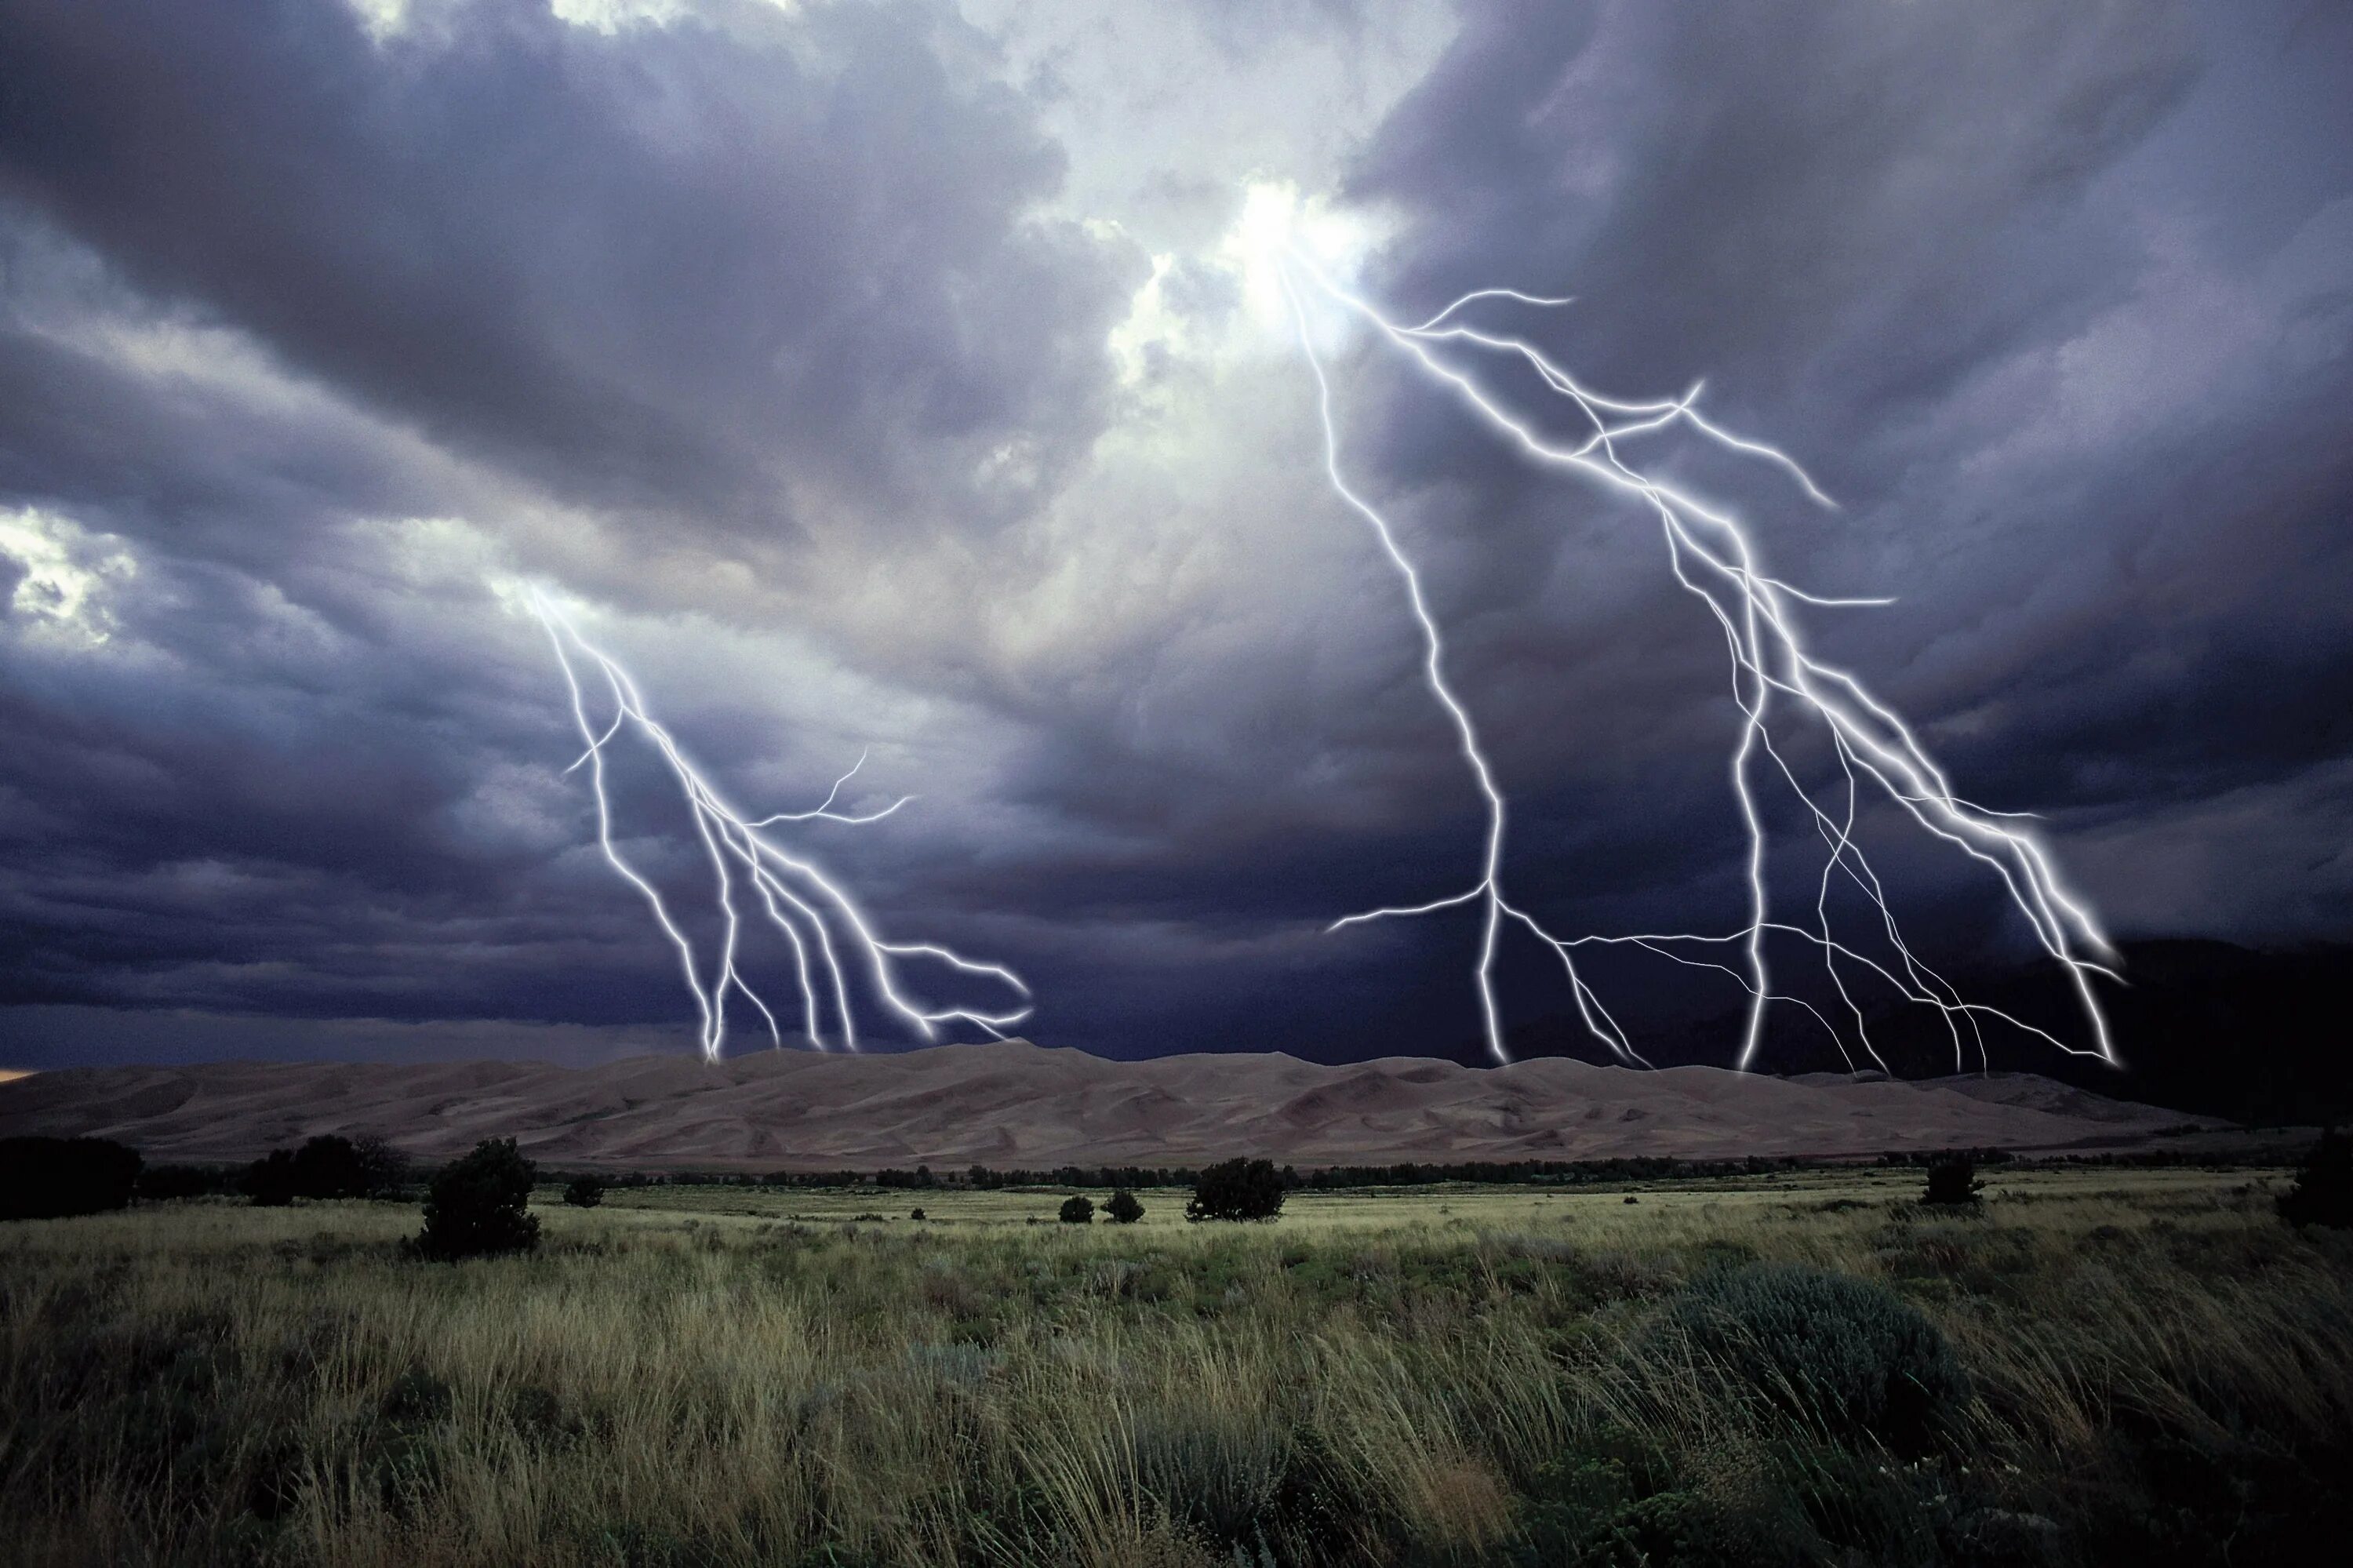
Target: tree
x: 44, y: 1178
x: 270, y: 1181
x: 329, y: 1167
x: 383, y: 1168
x: 1953, y: 1183
x: 585, y: 1191
x: 2323, y: 1193
x: 1237, y: 1190
x: 1123, y: 1208
x: 477, y: 1205
x: 1077, y: 1210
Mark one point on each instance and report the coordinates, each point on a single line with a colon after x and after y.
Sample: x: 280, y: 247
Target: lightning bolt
x: 1713, y: 558
x: 797, y: 898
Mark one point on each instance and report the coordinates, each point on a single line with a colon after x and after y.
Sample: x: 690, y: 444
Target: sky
x: 911, y: 381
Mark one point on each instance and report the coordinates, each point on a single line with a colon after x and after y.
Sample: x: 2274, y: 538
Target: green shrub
x: 1218, y: 1471
x: 1123, y: 1208
x: 1853, y: 1357
x: 1078, y: 1212
x: 1589, y: 1509
x: 416, y: 1398
x: 585, y: 1191
x: 477, y: 1205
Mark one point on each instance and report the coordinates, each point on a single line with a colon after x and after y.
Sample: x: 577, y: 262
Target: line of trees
x: 1408, y: 1173
x: 329, y: 1166
x: 49, y: 1178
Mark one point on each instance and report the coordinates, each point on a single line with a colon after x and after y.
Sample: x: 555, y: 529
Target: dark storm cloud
x: 694, y: 274
x: 667, y: 269
x: 2055, y: 299
x: 1988, y: 271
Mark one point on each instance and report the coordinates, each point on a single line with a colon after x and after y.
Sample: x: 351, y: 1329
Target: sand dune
x: 1015, y: 1104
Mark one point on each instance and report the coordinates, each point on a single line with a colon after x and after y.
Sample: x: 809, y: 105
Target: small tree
x: 1123, y: 1208
x: 478, y: 1204
x: 915, y: 1213
x: 2323, y: 1193
x: 585, y: 1191
x: 1953, y: 1182
x: 1237, y: 1190
x: 1078, y: 1211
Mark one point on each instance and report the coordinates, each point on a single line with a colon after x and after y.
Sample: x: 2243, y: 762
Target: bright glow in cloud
x: 63, y: 570
x: 1277, y: 223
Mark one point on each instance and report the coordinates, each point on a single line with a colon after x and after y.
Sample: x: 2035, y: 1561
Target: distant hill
x: 2253, y: 1036
x: 1016, y: 1105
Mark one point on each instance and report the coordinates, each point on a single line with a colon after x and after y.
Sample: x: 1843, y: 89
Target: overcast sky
x: 904, y: 379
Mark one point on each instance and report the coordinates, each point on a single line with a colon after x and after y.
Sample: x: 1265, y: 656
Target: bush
x: 44, y: 1178
x: 2323, y: 1193
x: 585, y: 1191
x: 1123, y: 1208
x: 1078, y: 1212
x: 915, y: 1213
x: 1953, y: 1183
x: 1853, y: 1356
x: 1237, y: 1190
x: 477, y: 1205
x: 1218, y: 1471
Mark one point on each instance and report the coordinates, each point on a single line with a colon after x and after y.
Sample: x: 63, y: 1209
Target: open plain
x: 2116, y: 1365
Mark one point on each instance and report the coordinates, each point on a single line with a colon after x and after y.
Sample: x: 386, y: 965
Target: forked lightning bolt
x: 794, y: 896
x: 1713, y: 558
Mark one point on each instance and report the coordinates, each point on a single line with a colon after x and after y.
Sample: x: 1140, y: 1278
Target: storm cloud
x: 887, y: 377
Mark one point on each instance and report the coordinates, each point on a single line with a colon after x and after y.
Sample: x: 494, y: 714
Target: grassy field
x: 2099, y: 1366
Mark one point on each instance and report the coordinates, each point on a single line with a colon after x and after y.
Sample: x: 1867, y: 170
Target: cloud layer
x: 888, y: 377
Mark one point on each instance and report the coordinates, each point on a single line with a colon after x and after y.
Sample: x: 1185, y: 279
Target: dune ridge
x: 1013, y: 1103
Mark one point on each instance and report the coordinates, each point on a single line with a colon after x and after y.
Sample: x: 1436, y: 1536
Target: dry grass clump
x: 201, y: 1383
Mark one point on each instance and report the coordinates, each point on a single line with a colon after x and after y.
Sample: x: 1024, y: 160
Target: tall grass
x: 199, y: 1382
